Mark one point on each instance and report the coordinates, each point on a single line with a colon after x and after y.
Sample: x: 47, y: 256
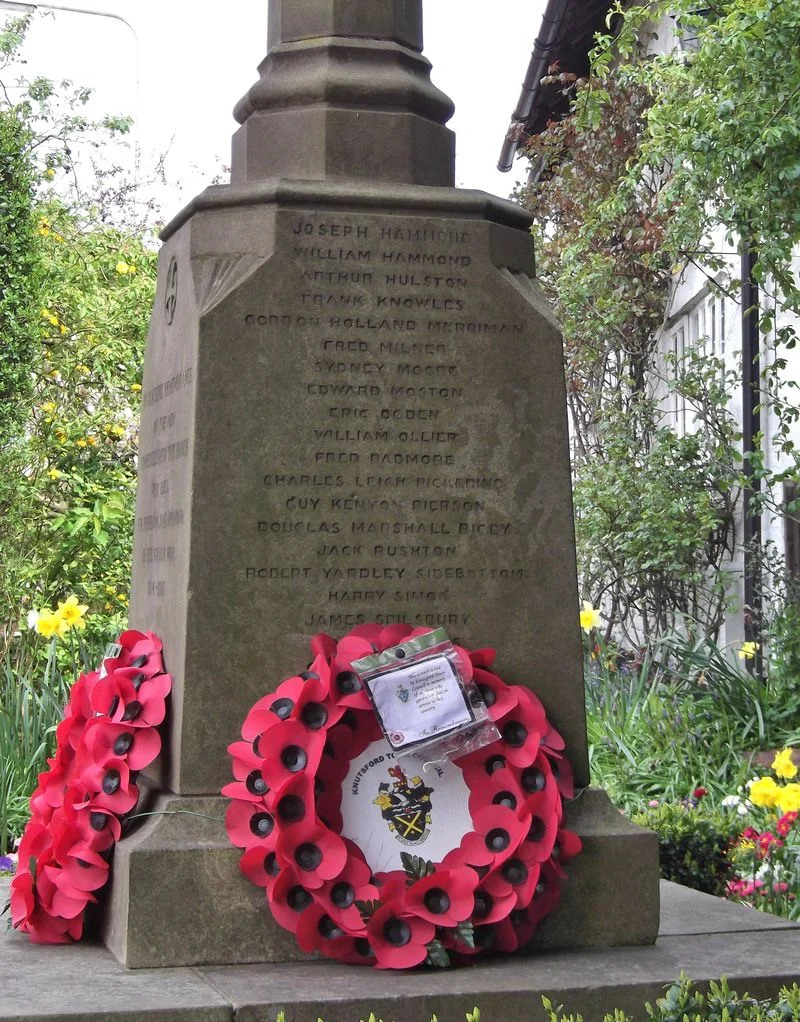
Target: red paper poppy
x: 288, y: 897
x: 498, y: 832
x: 314, y: 852
x: 289, y: 750
x: 138, y: 747
x: 567, y: 846
x: 250, y: 825
x: 338, y: 896
x: 546, y: 894
x: 445, y: 898
x: 112, y: 784
x: 398, y: 939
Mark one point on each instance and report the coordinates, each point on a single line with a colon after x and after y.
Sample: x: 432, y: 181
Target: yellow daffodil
x: 590, y: 618
x: 136, y: 387
x: 122, y: 268
x: 783, y: 765
x: 50, y: 624
x: 55, y: 474
x: 788, y: 798
x: 72, y: 612
x: 748, y: 650
x: 764, y: 792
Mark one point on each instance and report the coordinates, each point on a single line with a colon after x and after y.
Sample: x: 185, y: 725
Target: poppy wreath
x: 487, y: 894
x: 107, y: 735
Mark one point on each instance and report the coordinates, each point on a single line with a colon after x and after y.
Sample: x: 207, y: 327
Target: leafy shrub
x: 683, y: 1002
x: 695, y: 841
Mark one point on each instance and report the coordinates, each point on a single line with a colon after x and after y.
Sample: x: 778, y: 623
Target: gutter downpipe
x: 539, y: 62
x: 751, y: 428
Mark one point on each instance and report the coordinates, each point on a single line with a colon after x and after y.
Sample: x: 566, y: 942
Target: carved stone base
x: 178, y: 897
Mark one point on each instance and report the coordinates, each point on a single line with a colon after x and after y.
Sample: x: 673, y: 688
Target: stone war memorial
x: 354, y: 426
x: 353, y: 411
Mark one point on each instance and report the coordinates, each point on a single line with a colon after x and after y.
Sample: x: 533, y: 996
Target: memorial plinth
x: 353, y: 410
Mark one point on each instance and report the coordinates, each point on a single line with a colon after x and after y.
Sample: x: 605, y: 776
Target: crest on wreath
x: 406, y: 806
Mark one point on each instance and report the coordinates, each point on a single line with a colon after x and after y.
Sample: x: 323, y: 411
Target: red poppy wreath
x: 107, y: 735
x: 326, y: 861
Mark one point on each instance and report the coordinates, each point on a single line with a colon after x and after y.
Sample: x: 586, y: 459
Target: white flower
x: 33, y: 618
x: 742, y: 805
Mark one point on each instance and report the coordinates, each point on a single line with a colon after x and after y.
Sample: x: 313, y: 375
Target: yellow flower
x: 72, y: 612
x: 748, y: 650
x: 49, y: 173
x: 783, y: 765
x: 590, y: 618
x: 54, y: 473
x: 764, y: 792
x: 61, y: 435
x: 81, y: 368
x: 131, y: 268
x: 46, y: 314
x: 91, y: 440
x: 63, y: 329
x: 53, y: 320
x: 788, y: 800
x: 136, y: 387
x: 50, y: 624
x: 122, y: 267
x: 49, y: 406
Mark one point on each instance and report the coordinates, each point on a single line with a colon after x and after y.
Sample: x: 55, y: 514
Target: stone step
x: 702, y: 936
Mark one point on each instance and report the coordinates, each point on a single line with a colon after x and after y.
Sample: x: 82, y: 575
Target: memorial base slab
x: 193, y: 906
x: 703, y: 936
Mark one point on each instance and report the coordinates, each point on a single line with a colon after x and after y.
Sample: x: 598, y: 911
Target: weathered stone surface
x: 353, y: 410
x: 85, y: 982
x: 345, y: 93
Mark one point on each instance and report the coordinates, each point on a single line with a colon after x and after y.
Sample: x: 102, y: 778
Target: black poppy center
x: 111, y: 782
x: 343, y: 895
x: 505, y: 798
x: 533, y: 779
x: 494, y: 763
x: 328, y: 928
x: 515, y: 871
x: 294, y: 758
x: 515, y: 734
x: 347, y: 682
x: 271, y: 865
x: 483, y: 904
x: 498, y: 840
x: 114, y: 706
x: 291, y: 809
x: 256, y: 784
x: 314, y: 715
x: 397, y: 932
x: 537, y: 829
x: 140, y: 661
x: 363, y: 948
x: 437, y: 901
x: 262, y: 824
x: 308, y: 856
x: 123, y: 744
x: 97, y: 821
x: 132, y: 710
x: 309, y: 676
x: 282, y: 708
x: 489, y: 695
x: 298, y: 898
x: 138, y: 679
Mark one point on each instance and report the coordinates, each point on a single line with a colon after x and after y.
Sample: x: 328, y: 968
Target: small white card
x: 420, y: 701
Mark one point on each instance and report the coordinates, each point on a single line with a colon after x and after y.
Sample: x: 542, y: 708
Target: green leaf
x: 415, y: 867
x: 367, y: 908
x: 437, y: 955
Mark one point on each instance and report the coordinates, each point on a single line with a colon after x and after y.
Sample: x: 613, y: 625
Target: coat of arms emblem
x: 406, y: 806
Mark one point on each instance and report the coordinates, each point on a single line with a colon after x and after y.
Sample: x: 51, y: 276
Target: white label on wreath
x: 390, y: 806
x: 420, y: 701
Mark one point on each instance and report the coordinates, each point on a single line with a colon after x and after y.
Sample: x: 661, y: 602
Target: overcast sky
x: 196, y: 60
